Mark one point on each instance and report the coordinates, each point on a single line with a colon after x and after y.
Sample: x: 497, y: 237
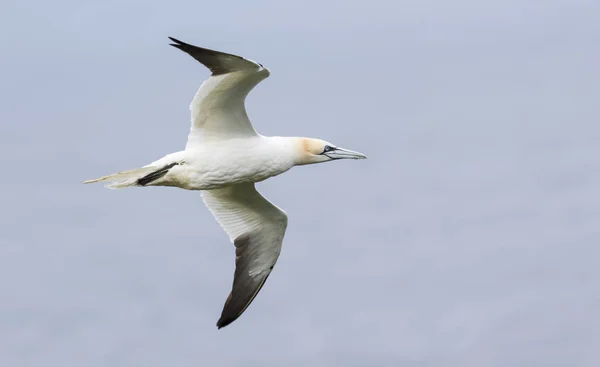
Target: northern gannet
x: 224, y: 157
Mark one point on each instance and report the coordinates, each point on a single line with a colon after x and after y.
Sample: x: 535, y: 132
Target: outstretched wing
x: 256, y: 227
x: 218, y: 110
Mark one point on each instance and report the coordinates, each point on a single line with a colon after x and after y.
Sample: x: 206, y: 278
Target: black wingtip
x: 176, y: 43
x: 224, y: 322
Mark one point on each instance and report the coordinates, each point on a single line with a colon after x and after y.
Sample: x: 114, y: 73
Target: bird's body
x: 223, y: 158
x: 216, y: 165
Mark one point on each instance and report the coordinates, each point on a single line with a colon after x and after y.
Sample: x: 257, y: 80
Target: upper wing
x: 256, y: 227
x: 218, y: 110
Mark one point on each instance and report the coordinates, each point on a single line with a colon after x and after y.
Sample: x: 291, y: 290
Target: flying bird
x: 224, y: 157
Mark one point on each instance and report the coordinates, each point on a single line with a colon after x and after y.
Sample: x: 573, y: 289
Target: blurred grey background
x: 468, y: 238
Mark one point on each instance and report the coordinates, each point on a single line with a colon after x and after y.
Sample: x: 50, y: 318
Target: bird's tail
x: 134, y: 177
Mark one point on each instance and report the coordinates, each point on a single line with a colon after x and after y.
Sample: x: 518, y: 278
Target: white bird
x: 224, y: 157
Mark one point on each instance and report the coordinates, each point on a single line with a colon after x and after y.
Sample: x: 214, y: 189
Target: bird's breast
x: 224, y: 166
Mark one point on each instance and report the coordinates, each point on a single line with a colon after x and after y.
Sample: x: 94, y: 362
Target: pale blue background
x: 470, y: 237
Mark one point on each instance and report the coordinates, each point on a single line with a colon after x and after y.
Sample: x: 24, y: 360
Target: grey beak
x: 341, y: 153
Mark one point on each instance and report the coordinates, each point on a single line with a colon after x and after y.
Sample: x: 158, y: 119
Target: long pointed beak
x: 341, y: 153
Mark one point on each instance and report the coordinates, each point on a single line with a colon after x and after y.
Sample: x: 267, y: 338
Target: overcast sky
x: 470, y: 237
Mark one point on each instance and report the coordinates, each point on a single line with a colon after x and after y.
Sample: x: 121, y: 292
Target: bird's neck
x: 294, y: 148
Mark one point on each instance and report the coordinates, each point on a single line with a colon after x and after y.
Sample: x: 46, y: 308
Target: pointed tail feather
x: 124, y: 179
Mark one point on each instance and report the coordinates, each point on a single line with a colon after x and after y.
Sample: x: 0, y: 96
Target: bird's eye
x: 327, y: 149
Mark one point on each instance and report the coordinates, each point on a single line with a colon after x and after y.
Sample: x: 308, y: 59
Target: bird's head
x: 318, y: 151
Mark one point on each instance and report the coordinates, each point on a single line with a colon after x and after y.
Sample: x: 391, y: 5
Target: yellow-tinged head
x: 317, y: 151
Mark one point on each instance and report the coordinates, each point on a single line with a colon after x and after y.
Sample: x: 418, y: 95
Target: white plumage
x: 224, y: 157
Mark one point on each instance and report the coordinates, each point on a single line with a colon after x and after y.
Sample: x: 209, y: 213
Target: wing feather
x: 256, y: 227
x: 218, y: 108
